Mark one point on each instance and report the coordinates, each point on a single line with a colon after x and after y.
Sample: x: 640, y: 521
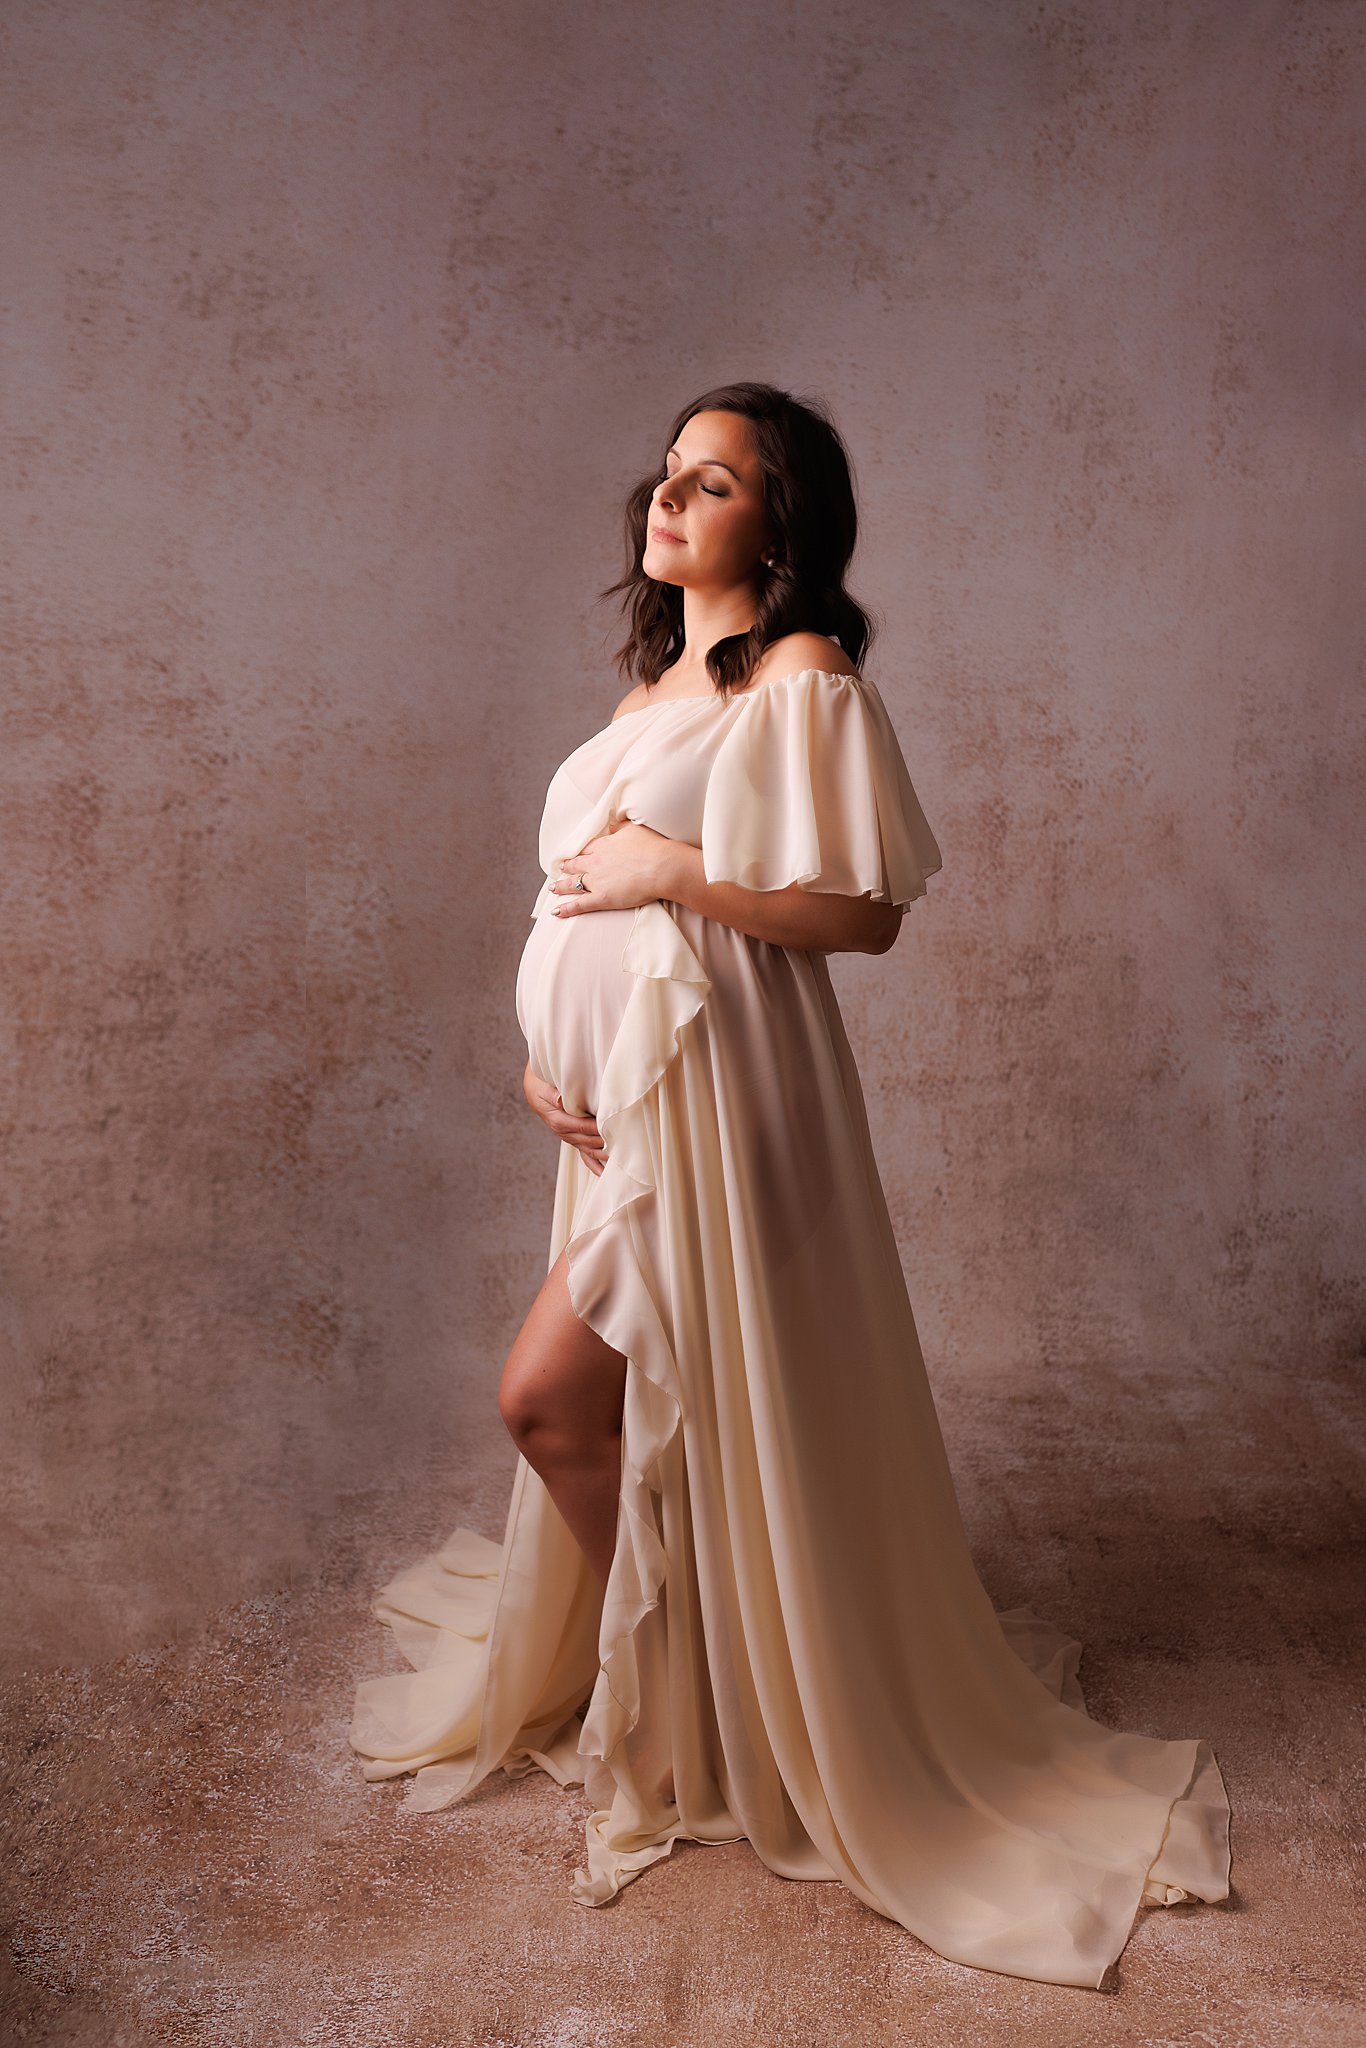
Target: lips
x: 663, y: 533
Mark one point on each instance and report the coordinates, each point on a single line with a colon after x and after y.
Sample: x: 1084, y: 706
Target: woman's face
x: 711, y: 500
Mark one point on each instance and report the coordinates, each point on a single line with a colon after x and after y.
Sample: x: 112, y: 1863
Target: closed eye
x: 665, y: 477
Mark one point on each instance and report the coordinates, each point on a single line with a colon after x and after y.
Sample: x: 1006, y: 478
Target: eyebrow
x: 709, y: 462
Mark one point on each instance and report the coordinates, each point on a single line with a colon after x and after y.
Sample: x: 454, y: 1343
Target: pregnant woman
x: 734, y: 1597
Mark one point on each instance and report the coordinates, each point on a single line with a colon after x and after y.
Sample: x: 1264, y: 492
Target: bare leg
x: 561, y: 1396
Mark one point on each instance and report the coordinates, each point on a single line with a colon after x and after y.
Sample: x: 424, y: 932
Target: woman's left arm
x: 634, y: 864
x: 805, y: 918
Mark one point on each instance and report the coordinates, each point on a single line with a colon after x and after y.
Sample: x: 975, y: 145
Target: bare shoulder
x: 797, y: 651
x: 634, y: 700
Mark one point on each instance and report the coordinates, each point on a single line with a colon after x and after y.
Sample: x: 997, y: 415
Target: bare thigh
x: 561, y: 1380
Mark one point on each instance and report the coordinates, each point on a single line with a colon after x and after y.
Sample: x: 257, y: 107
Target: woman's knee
x: 567, y: 1396
x: 524, y: 1412
x: 537, y: 1401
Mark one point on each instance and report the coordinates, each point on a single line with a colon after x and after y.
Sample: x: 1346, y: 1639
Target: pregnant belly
x: 572, y: 992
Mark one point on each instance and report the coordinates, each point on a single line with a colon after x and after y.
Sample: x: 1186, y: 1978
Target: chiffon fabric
x: 793, y: 1621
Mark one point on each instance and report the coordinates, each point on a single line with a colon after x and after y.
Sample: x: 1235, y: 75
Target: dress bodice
x: 801, y: 779
x: 650, y: 766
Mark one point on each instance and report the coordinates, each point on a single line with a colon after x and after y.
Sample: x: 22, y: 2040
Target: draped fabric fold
x: 793, y: 1622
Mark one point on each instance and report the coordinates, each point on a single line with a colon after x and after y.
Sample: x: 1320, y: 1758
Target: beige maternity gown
x: 793, y: 1620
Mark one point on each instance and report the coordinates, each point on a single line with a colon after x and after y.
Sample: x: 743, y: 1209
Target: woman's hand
x: 622, y: 868
x: 579, y: 1131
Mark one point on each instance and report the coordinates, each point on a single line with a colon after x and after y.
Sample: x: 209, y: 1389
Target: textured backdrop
x: 340, y: 333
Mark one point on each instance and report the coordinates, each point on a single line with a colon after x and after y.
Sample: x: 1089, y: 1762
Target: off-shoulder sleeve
x: 810, y: 785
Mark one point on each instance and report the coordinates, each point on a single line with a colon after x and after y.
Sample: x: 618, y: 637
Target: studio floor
x: 194, y: 1857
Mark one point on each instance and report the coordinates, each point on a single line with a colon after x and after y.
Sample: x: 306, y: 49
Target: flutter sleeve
x: 810, y: 786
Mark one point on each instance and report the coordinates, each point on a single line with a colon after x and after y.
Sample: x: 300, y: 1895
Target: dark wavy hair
x: 809, y: 496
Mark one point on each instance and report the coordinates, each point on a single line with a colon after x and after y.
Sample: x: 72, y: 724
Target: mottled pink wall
x: 337, y: 334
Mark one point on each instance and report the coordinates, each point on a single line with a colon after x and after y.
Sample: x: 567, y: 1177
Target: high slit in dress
x: 793, y: 1620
